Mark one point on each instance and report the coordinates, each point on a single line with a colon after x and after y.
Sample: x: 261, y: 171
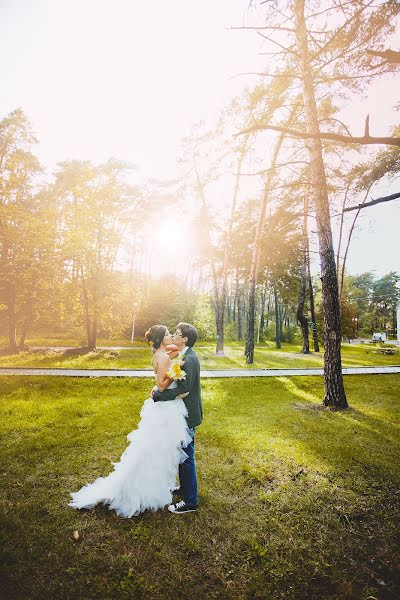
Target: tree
x: 21, y: 211
x: 302, y: 319
x: 253, y: 275
x: 386, y: 298
x: 360, y: 181
x: 322, y: 59
x: 314, y: 326
x: 38, y: 276
x: 213, y: 152
x: 370, y: 303
x: 96, y: 201
x: 273, y: 101
x: 334, y: 387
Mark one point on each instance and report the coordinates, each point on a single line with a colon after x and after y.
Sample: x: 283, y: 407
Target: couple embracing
x: 162, y: 446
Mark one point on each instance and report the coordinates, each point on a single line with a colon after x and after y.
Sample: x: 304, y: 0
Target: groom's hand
x: 152, y: 392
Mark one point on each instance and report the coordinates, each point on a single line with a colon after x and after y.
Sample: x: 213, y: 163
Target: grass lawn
x: 266, y: 356
x: 296, y: 502
x: 58, y: 341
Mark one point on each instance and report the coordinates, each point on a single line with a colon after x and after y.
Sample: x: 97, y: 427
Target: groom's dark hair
x: 188, y: 331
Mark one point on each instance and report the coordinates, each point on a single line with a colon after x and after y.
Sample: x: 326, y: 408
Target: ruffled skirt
x: 146, y: 473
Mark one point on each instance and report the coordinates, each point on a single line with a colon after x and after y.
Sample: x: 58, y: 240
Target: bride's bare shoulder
x: 161, y: 361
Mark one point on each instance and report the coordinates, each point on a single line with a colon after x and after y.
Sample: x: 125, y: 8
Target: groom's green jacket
x: 192, y: 385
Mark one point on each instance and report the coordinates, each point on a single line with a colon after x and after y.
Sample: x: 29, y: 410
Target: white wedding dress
x: 146, y: 473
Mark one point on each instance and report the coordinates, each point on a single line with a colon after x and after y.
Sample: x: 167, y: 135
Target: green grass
x: 69, y: 341
x: 296, y: 502
x: 121, y: 359
x: 266, y: 356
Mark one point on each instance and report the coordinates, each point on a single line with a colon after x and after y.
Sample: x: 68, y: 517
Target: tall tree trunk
x: 250, y: 321
x: 262, y: 312
x: 12, y: 321
x: 93, y: 340
x: 251, y: 306
x: 239, y: 307
x: 282, y: 312
x: 268, y: 309
x: 25, y: 325
x: 22, y: 337
x: 219, y: 295
x: 394, y: 322
x: 302, y: 319
x: 240, y: 320
x: 334, y: 388
x: 87, y: 310
x: 277, y: 320
x: 227, y: 249
x: 88, y: 328
x: 219, y: 322
x: 314, y: 328
x: 220, y: 285
x: 262, y: 322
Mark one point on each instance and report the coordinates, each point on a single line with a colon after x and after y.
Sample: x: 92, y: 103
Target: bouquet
x: 175, y: 371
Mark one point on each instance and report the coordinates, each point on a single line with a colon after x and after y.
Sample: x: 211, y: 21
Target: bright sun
x: 170, y: 247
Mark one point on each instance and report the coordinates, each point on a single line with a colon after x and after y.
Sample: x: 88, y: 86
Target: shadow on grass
x: 356, y: 432
x: 285, y: 493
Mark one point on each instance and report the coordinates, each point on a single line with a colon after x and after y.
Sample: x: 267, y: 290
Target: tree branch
x: 389, y: 56
x: 338, y: 31
x: 340, y: 123
x: 372, y: 202
x: 263, y: 172
x: 288, y: 76
x: 273, y: 27
x: 269, y: 39
x: 336, y: 137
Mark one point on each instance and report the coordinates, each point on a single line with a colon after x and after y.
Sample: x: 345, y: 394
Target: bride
x: 146, y: 473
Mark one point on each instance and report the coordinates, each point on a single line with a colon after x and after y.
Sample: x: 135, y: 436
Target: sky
x: 126, y: 78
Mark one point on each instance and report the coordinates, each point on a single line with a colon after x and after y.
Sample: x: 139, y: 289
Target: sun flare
x: 170, y: 247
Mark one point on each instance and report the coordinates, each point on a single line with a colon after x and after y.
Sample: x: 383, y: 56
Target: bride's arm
x: 184, y: 386
x: 163, y: 381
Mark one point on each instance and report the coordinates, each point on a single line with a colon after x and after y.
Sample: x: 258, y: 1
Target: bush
x: 204, y: 319
x: 269, y: 333
x: 230, y: 332
x: 291, y: 334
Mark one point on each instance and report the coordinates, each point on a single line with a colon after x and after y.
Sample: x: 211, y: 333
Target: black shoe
x: 182, y: 508
x: 177, y: 490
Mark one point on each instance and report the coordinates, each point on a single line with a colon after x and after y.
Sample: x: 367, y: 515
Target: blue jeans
x: 188, y: 476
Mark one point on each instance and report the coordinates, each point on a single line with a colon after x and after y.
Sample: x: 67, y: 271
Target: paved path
x: 217, y: 373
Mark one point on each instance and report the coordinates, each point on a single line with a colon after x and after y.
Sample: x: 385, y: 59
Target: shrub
x: 230, y: 332
x: 204, y: 319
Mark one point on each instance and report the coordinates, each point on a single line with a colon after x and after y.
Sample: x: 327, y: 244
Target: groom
x: 184, y: 338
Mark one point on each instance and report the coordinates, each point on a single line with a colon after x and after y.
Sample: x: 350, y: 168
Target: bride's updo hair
x: 155, y: 336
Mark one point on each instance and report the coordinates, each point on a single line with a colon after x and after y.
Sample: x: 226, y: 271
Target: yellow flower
x: 175, y: 371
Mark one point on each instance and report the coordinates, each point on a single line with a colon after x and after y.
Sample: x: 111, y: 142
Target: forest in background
x: 79, y: 262
x: 92, y: 250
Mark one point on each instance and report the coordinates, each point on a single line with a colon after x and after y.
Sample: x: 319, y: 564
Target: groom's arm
x: 183, y: 386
